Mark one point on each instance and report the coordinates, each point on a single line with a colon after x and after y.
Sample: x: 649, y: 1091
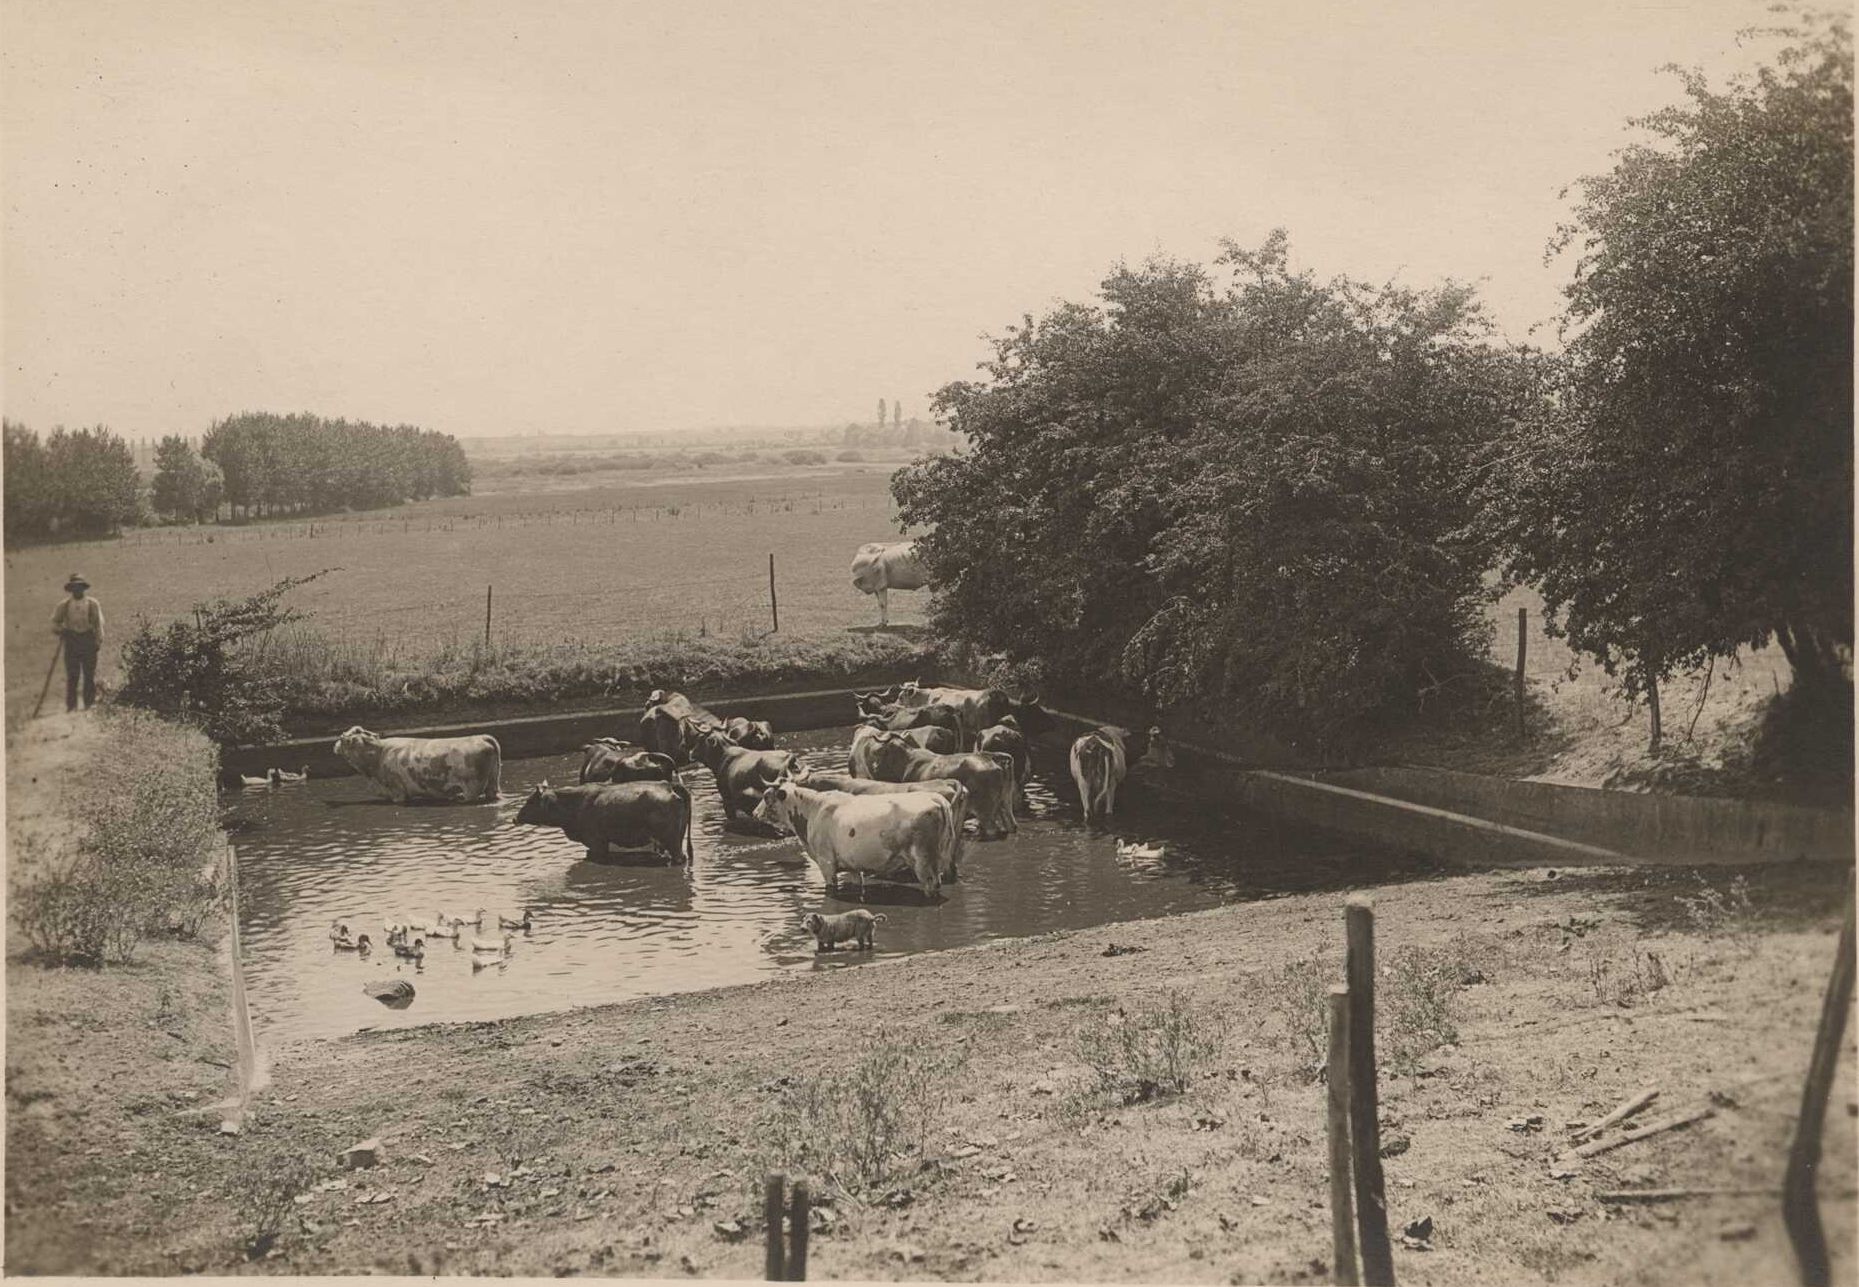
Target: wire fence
x: 337, y: 526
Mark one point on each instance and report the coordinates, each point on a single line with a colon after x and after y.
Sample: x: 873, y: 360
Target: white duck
x: 442, y: 926
x: 247, y: 780
x: 280, y: 776
x: 1136, y: 849
x: 491, y: 946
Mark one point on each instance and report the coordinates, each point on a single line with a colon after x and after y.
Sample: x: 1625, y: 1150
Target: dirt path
x: 618, y: 1140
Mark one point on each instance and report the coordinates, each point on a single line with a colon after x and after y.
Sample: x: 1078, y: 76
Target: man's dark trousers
x: 80, y: 662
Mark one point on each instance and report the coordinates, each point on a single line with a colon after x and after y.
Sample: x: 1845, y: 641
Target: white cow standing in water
x: 881, y: 567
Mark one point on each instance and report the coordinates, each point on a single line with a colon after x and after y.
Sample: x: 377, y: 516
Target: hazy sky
x: 522, y: 217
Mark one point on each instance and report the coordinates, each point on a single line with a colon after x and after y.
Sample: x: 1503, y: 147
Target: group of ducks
x: 407, y: 939
x: 275, y: 778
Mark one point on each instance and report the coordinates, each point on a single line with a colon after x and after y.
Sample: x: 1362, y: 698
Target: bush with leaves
x: 1243, y: 485
x: 209, y: 671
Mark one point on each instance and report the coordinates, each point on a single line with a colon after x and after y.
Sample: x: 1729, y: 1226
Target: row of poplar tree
x: 84, y: 482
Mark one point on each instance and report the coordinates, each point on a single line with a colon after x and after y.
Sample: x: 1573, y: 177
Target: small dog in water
x: 829, y: 931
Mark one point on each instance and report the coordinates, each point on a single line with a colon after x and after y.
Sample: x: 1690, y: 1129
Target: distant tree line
x: 73, y: 483
x: 303, y: 464
x: 1283, y: 494
x: 84, y: 482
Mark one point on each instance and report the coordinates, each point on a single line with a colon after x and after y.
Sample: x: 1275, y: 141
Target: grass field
x: 590, y: 564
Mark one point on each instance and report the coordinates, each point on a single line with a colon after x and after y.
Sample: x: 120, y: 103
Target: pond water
x: 334, y: 849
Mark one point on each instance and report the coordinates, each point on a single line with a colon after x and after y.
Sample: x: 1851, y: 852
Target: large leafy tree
x: 1243, y: 485
x: 1690, y: 491
x: 179, y: 478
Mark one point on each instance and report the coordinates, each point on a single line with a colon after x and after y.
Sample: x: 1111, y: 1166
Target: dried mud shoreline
x: 616, y: 1140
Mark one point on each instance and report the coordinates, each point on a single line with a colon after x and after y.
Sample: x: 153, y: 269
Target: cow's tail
x: 496, y: 782
x: 690, y: 813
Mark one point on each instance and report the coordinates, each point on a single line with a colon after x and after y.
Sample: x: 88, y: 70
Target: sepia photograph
x: 1084, y: 641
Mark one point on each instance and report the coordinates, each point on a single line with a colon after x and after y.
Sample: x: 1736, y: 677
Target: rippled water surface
x: 332, y: 848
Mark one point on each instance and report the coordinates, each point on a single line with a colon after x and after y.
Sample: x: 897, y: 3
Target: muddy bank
x: 618, y: 1140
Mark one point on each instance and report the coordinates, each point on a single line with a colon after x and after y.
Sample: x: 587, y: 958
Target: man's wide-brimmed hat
x: 77, y: 582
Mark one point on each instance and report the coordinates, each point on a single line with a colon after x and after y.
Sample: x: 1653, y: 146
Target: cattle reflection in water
x: 622, y: 928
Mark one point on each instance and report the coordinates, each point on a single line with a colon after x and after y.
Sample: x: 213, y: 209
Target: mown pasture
x: 593, y: 564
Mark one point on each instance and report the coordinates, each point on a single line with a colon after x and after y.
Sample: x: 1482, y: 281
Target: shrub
x: 804, y: 456
x: 850, y: 456
x: 864, y: 1126
x: 146, y: 799
x: 1301, y: 990
x: 1151, y: 1054
x: 267, y: 1201
x: 208, y: 672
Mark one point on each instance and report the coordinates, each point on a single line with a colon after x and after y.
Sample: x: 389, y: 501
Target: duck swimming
x: 360, y: 944
x: 246, y: 780
x: 442, y: 927
x: 338, y: 932
x: 416, y: 952
x: 1135, y: 849
x: 492, y: 946
x: 279, y: 776
x: 504, y: 922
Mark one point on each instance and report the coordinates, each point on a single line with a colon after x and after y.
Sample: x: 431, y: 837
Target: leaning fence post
x: 1523, y: 650
x: 774, y: 604
x: 1364, y: 1126
x: 1342, y: 1205
x: 487, y: 616
x: 774, y: 1269
x: 1800, y: 1202
x: 799, y: 1209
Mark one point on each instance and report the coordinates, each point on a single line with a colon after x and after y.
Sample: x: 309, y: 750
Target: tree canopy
x: 306, y: 464
x: 1689, y: 491
x: 1241, y: 483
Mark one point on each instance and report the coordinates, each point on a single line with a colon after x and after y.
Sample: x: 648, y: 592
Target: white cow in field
x: 879, y: 568
x: 888, y: 836
x: 426, y: 768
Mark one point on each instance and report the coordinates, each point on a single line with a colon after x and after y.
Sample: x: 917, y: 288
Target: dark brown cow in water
x: 604, y: 816
x: 742, y: 775
x: 672, y: 723
x: 608, y: 759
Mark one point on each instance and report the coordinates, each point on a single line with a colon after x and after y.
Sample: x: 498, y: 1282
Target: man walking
x: 79, y: 621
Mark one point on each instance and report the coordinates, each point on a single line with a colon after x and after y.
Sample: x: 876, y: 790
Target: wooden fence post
x: 1523, y: 649
x: 1800, y: 1201
x: 487, y: 616
x: 1364, y: 1124
x: 774, y: 1269
x: 774, y: 604
x: 799, y: 1209
x: 1342, y: 1206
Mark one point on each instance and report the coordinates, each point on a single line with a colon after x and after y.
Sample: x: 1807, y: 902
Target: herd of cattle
x: 923, y: 762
